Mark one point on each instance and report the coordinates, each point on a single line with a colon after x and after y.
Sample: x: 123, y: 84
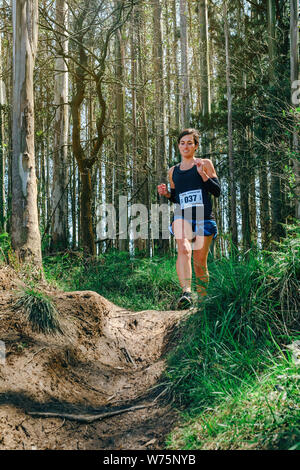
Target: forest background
x: 93, y: 95
x: 115, y: 82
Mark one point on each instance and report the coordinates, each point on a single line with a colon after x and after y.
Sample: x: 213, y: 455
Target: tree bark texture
x: 294, y: 53
x: 59, y: 208
x: 232, y: 175
x: 185, y: 88
x: 25, y: 228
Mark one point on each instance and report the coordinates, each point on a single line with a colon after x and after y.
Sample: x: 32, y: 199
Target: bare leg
x: 183, y: 234
x: 201, y: 249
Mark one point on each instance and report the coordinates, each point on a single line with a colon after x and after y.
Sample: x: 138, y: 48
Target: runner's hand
x: 200, y: 168
x: 162, y: 190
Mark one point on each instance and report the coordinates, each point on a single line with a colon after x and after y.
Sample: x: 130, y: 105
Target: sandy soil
x: 107, y: 359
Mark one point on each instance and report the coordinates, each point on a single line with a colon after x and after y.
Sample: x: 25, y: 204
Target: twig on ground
x: 86, y: 418
x: 45, y: 347
x: 127, y: 355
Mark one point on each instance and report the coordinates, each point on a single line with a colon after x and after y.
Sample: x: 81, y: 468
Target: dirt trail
x: 108, y: 359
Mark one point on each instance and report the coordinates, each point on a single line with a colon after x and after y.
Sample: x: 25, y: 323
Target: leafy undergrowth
x: 137, y: 283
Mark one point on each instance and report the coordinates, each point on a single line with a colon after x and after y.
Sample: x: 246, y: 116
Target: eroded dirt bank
x: 108, y: 359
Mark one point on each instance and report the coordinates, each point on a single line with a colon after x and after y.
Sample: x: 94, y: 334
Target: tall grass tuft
x: 40, y: 311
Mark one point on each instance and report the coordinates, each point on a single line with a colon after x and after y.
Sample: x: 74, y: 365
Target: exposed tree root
x: 86, y: 418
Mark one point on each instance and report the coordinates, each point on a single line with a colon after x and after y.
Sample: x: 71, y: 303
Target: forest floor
x: 107, y: 360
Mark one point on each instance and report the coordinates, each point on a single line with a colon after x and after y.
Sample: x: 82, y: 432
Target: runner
x: 192, y: 181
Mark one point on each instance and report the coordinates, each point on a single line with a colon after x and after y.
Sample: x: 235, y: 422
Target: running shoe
x: 185, y: 301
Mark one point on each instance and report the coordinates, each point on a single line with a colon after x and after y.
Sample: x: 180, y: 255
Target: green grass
x: 230, y: 373
x: 136, y: 283
x: 39, y: 310
x: 260, y: 413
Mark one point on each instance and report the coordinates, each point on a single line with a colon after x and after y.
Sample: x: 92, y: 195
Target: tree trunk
x: 252, y: 204
x: 158, y: 64
x: 274, y: 157
x: 232, y: 176
x: 121, y: 162
x: 73, y: 204
x: 143, y: 140
x: 294, y: 38
x: 26, y: 239
x: 86, y: 226
x: 204, y: 59
x: 59, y: 208
x: 176, y: 71
x: 185, y: 89
x: 2, y: 153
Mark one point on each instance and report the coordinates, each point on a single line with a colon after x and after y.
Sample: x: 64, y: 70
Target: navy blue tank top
x: 189, y: 180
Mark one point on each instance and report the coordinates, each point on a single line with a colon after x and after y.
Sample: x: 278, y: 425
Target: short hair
x: 189, y: 131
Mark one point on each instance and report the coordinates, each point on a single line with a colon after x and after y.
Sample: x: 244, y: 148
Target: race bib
x: 191, y: 198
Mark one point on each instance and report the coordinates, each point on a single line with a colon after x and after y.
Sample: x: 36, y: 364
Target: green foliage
x: 228, y: 355
x: 259, y: 414
x: 40, y: 311
x: 138, y: 283
x: 5, y: 246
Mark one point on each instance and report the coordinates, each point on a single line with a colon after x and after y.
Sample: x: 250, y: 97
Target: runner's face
x: 187, y: 146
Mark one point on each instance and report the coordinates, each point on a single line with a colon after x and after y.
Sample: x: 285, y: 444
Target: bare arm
x: 162, y: 188
x: 205, y: 168
x: 208, y: 174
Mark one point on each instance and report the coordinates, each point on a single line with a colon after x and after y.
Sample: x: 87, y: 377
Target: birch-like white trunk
x: 61, y: 125
x: 26, y: 239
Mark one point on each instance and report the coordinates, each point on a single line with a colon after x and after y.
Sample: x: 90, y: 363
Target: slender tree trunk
x: 2, y: 153
x: 205, y: 72
x: 252, y: 207
x: 85, y: 224
x: 143, y: 137
x: 274, y: 157
x: 158, y: 64
x: 244, y: 191
x: 168, y: 84
x: 294, y: 53
x: 204, y: 59
x: 42, y: 177
x: 185, y: 88
x: 121, y: 161
x: 176, y: 70
x: 59, y: 208
x: 135, y: 161
x: 264, y: 198
x: 73, y: 204
x: 232, y: 176
x: 26, y: 238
